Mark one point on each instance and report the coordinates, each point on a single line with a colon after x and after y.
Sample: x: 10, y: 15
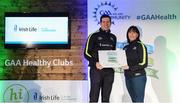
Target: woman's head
x: 133, y: 34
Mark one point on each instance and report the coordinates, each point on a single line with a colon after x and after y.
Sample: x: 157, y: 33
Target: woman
x: 135, y: 75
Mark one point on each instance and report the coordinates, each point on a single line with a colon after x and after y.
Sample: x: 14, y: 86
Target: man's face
x: 105, y: 24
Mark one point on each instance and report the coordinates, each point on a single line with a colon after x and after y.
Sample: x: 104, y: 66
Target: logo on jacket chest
x: 105, y: 45
x: 112, y: 39
x: 134, y: 48
x: 100, y: 38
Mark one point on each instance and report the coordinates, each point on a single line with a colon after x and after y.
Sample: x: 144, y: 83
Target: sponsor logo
x: 16, y: 93
x: 15, y: 28
x: 24, y: 29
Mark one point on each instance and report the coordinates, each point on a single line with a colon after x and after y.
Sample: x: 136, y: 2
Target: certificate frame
x: 112, y: 58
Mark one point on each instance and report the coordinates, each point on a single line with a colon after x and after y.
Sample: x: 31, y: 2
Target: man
x: 100, y: 78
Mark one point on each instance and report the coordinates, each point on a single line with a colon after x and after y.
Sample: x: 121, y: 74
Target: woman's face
x: 132, y: 36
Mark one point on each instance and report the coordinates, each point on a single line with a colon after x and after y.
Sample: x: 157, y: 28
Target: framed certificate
x: 112, y: 58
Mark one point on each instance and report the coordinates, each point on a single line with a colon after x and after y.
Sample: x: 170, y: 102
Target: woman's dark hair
x: 105, y: 16
x: 133, y: 29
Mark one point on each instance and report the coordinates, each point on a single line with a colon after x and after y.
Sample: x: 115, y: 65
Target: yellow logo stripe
x: 144, y: 55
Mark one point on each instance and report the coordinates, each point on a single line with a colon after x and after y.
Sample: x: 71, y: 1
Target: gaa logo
x: 106, y: 8
x: 16, y: 93
x: 110, y: 9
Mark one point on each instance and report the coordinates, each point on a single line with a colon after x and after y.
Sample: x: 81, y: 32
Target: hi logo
x: 16, y: 93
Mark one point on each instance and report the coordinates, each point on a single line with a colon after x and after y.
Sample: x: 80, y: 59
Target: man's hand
x: 99, y: 66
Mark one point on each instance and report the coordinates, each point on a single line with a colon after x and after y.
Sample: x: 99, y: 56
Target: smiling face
x: 105, y: 24
x: 132, y: 35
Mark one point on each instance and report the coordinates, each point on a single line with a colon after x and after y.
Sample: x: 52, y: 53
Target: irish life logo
x: 15, y: 28
x: 16, y: 93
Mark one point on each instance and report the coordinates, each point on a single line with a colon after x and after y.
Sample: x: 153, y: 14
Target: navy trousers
x: 101, y: 80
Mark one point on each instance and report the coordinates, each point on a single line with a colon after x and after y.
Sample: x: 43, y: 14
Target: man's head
x: 105, y: 22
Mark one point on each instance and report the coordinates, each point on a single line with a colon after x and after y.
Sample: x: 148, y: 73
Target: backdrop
x: 159, y: 24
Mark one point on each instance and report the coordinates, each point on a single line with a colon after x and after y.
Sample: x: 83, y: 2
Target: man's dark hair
x: 105, y: 16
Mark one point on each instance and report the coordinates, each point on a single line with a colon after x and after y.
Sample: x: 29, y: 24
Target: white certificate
x: 112, y: 58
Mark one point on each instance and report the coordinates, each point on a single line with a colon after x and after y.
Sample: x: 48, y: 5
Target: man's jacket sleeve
x: 89, y: 52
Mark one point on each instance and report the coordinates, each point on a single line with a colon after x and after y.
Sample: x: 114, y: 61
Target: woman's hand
x: 99, y: 66
x: 126, y: 67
